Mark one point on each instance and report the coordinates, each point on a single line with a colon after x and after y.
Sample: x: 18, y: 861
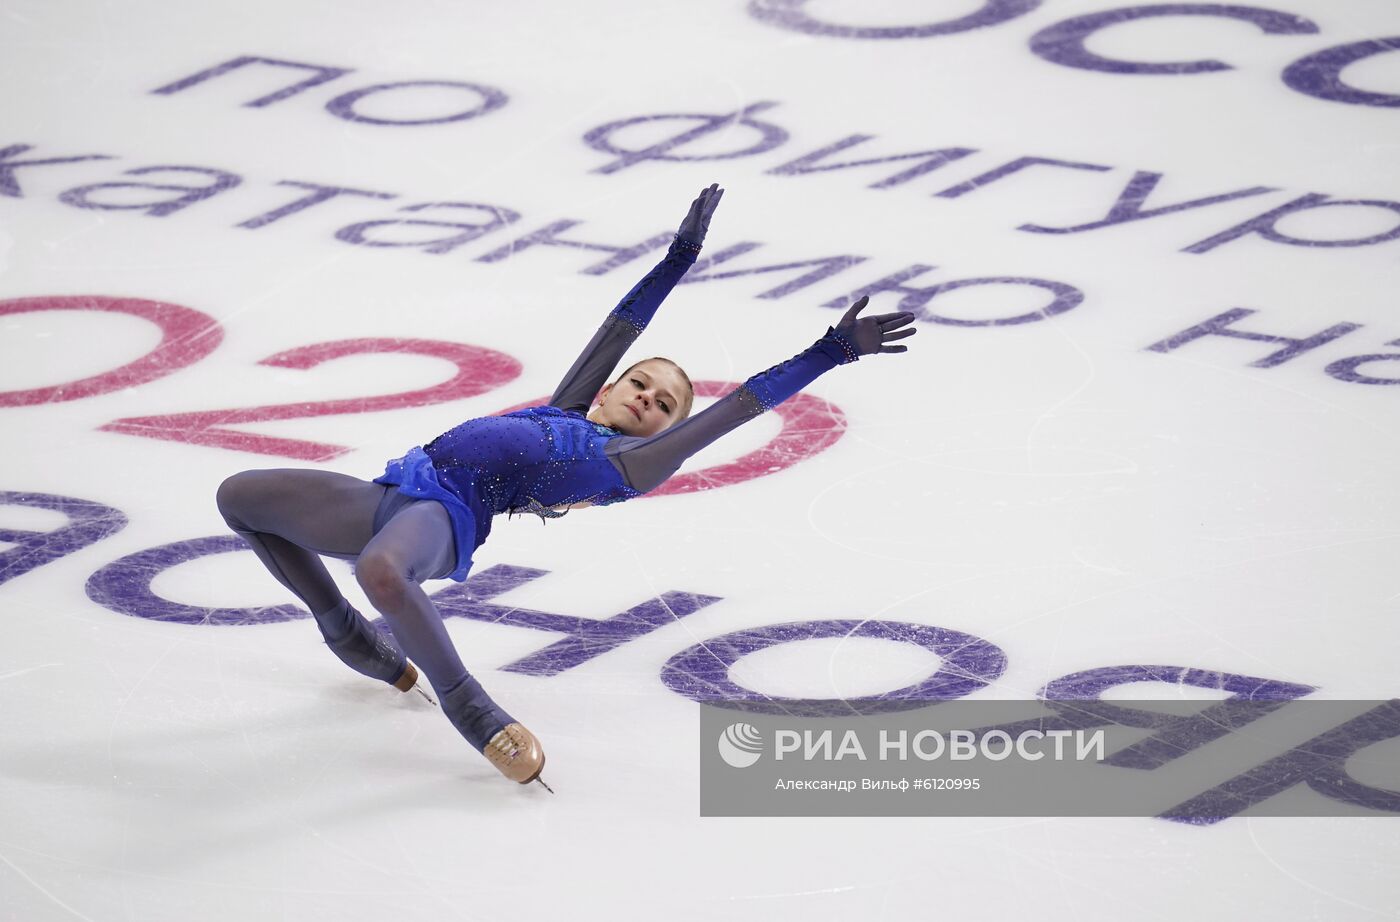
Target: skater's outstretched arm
x: 646, y: 462
x: 627, y: 321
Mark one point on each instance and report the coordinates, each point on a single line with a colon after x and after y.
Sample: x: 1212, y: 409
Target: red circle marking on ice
x: 187, y: 335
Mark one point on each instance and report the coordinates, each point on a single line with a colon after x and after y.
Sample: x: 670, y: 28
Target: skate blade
x: 409, y: 681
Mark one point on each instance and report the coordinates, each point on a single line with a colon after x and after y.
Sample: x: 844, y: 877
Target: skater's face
x: 649, y: 397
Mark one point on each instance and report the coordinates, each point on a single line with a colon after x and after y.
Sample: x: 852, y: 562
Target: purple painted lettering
x: 1265, y: 224
x: 584, y: 638
x: 320, y: 75
x: 124, y: 586
x: 1076, y: 697
x: 1345, y: 369
x: 549, y: 236
x: 1014, y: 166
x: 1320, y: 763
x: 1320, y: 74
x: 1063, y: 43
x: 931, y: 160
x: 821, y: 268
x: 1128, y: 207
x: 319, y: 193
x: 88, y: 523
x: 701, y: 672
x: 1220, y: 325
x: 8, y: 165
x: 81, y: 196
x: 465, y: 232
x: 791, y: 15
x: 1066, y: 297
x: 769, y: 137
x: 344, y: 106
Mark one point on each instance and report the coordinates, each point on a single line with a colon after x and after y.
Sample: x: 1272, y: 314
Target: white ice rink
x: 258, y: 234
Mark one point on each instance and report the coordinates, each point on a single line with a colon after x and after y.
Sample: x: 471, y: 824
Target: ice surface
x: 1054, y: 486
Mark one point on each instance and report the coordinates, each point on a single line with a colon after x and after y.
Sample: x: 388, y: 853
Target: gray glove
x: 868, y: 335
x: 697, y: 221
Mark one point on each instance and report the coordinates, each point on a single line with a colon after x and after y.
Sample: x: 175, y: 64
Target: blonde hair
x: 686, y: 399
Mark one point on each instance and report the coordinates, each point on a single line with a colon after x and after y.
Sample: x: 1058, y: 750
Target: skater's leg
x: 417, y: 544
x: 414, y: 545
x: 289, y: 517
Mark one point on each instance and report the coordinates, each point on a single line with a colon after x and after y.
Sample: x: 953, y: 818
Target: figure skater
x: 430, y: 510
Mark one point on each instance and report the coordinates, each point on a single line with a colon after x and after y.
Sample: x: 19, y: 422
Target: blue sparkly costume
x: 551, y: 455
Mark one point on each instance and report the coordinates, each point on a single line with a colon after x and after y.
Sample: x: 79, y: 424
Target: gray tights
x: 292, y: 516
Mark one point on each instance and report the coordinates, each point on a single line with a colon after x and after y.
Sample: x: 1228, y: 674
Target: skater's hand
x: 870, y: 334
x: 697, y: 221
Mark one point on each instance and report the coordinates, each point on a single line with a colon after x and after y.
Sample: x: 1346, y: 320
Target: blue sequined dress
x: 551, y: 455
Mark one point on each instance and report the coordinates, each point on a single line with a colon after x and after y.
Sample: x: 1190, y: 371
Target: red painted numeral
x: 186, y: 337
x: 478, y: 370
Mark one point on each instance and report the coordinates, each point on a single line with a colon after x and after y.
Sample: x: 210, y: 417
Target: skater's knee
x: 234, y: 494
x: 243, y: 498
x: 383, y: 578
